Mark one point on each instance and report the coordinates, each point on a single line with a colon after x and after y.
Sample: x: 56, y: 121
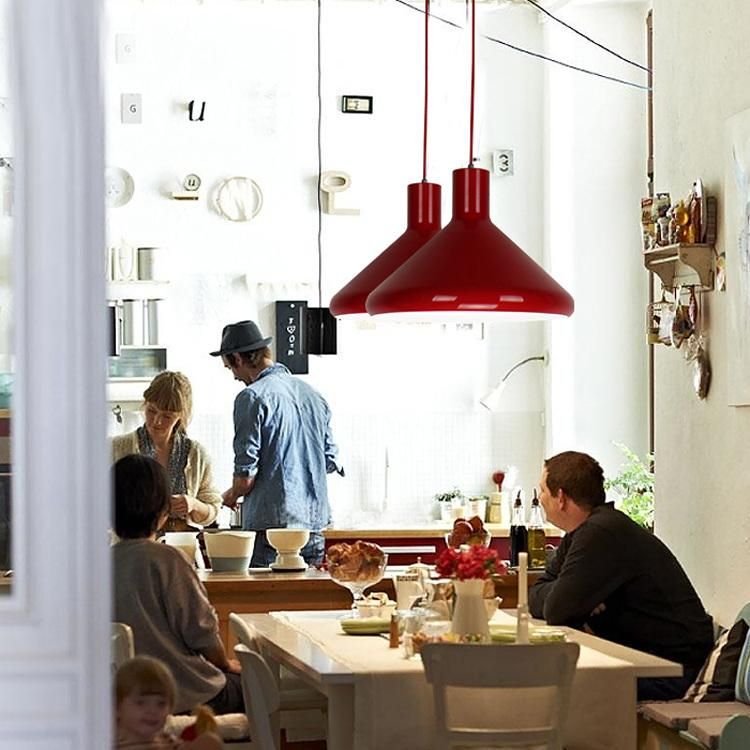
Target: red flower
x: 469, y: 562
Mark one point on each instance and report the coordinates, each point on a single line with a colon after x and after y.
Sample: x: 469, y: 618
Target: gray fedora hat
x: 244, y: 336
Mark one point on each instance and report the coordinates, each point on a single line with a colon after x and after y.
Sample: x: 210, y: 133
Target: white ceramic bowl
x: 184, y: 541
x: 287, y: 541
x: 229, y: 550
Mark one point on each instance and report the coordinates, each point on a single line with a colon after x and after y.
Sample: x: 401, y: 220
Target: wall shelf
x: 682, y: 265
x: 137, y: 289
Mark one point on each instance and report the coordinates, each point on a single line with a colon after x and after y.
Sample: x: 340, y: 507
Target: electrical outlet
x: 130, y: 109
x: 502, y: 162
x: 125, y: 48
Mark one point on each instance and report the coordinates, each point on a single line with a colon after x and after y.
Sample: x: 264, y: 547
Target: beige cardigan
x: 198, y: 476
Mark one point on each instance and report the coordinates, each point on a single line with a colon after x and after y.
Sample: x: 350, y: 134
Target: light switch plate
x: 131, y: 109
x: 125, y: 48
x: 356, y: 104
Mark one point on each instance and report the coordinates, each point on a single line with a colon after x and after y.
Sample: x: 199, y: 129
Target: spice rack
x: 682, y: 264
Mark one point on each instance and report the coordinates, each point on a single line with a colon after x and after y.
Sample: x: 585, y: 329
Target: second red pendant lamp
x: 470, y: 268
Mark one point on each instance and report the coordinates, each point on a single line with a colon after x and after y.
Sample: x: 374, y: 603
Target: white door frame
x: 55, y: 689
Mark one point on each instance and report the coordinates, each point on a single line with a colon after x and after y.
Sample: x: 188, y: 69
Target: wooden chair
x: 261, y: 699
x: 552, y: 665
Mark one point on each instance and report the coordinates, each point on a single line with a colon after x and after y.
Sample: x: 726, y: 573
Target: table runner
x: 393, y: 701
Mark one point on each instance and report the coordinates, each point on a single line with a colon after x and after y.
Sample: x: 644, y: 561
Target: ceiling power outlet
x: 502, y: 162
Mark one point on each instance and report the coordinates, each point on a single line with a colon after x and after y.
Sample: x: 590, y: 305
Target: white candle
x: 523, y: 598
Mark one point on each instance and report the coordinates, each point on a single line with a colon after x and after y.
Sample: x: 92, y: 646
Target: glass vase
x: 469, y: 613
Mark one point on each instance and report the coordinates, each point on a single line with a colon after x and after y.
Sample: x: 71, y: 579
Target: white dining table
x: 379, y: 699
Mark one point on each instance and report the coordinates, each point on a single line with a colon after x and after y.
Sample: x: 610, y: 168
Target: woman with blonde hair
x: 168, y: 407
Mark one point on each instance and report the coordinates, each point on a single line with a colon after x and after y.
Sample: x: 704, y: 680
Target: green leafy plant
x: 446, y: 497
x: 634, y: 487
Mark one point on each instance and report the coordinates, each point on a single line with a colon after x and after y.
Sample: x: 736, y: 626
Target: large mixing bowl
x: 229, y: 551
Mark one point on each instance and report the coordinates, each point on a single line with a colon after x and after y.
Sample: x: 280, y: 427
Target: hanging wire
x: 473, y: 66
x: 538, y: 55
x: 426, y: 85
x: 320, y: 163
x: 587, y: 38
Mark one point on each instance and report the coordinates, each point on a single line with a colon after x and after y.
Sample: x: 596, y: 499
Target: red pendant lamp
x: 422, y: 223
x: 470, y: 269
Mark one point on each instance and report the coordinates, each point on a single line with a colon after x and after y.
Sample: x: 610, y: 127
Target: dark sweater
x: 649, y: 602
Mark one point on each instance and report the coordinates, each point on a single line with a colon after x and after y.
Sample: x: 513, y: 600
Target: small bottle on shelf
x: 536, y: 536
x: 518, y: 532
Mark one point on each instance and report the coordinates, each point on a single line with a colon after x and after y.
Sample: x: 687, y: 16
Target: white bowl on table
x: 288, y: 543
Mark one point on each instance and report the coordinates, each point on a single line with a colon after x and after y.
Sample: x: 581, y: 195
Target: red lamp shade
x: 470, y: 267
x: 423, y: 223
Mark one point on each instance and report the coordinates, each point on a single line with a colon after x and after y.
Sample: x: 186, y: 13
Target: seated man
x: 615, y: 579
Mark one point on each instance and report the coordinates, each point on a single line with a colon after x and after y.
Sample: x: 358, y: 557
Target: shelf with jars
x: 678, y: 238
x: 136, y: 291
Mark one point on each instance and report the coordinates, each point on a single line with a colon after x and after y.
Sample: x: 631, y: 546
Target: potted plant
x: 447, y: 501
x: 634, y: 487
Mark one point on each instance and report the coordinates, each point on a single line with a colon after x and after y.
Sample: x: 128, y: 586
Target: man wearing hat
x: 283, y: 446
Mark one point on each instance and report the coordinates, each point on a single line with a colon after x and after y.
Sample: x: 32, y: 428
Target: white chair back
x: 242, y: 631
x: 450, y: 665
x: 122, y: 647
x: 261, y: 698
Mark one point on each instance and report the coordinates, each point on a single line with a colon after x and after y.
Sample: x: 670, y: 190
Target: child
x: 145, y: 694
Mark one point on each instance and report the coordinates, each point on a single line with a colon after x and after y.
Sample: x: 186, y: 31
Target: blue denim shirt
x: 282, y: 437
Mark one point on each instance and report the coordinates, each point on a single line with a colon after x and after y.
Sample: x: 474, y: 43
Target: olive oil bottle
x: 537, y: 557
x: 518, y: 533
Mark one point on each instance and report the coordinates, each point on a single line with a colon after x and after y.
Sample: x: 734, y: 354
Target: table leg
x: 340, y: 717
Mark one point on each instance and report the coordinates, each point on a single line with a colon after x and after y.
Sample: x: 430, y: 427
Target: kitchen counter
x: 248, y: 592
x: 438, y: 529
x: 404, y: 545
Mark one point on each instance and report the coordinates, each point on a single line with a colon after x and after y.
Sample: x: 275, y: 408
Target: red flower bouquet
x: 469, y: 562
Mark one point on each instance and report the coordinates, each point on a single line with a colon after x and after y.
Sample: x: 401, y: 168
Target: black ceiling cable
x: 320, y: 166
x: 534, y: 54
x: 587, y: 38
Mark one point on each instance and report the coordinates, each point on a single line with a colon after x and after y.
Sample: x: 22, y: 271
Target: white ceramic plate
x: 118, y: 187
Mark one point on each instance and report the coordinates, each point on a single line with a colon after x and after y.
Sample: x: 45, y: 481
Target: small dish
x: 365, y: 625
x: 118, y: 187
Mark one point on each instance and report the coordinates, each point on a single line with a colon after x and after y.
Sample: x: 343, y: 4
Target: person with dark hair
x: 157, y: 593
x: 616, y: 579
x: 283, y: 445
x: 168, y: 407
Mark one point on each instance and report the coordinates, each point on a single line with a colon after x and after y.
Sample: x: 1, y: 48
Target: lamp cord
x: 538, y: 55
x: 426, y: 85
x: 522, y: 362
x: 588, y: 38
x: 320, y: 163
x: 473, y: 65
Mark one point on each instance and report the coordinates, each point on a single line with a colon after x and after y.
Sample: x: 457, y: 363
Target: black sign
x: 290, y: 335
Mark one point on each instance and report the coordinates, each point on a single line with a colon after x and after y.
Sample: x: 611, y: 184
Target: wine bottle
x: 536, y: 536
x: 518, y: 533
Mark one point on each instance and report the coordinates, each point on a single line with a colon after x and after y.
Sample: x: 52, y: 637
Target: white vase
x: 469, y: 612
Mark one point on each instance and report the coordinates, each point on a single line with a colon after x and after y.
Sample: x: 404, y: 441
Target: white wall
x: 595, y: 176
x: 701, y: 63
x: 402, y: 392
